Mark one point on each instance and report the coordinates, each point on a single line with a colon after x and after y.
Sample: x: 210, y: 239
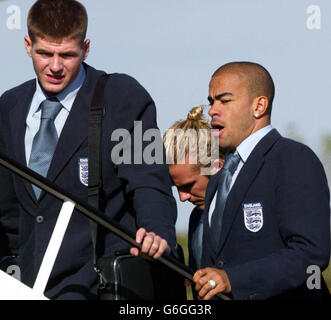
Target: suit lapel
x: 17, y: 120
x: 244, y: 180
x: 75, y: 129
x: 211, y: 189
x: 210, y: 193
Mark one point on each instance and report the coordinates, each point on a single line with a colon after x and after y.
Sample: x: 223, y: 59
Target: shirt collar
x: 66, y: 96
x: 247, y: 146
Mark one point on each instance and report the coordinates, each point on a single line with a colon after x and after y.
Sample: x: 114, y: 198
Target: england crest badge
x: 83, y: 171
x: 253, y: 216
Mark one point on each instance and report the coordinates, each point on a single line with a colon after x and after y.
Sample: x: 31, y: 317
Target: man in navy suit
x: 192, y: 161
x: 137, y: 195
x: 276, y: 216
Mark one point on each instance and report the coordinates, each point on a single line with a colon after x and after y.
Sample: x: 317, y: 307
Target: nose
x: 56, y: 64
x: 213, y: 110
x: 184, y: 196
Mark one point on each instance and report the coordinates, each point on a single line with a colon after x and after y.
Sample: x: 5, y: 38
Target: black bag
x: 127, y: 277
x: 123, y: 276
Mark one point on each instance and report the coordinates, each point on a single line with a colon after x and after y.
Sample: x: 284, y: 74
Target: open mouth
x: 217, y: 129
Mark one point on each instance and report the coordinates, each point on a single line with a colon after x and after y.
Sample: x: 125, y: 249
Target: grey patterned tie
x: 45, y: 140
x: 230, y: 165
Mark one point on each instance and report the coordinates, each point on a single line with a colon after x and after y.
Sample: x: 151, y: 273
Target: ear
x: 28, y: 45
x: 216, y: 166
x: 220, y: 163
x: 260, y: 106
x: 86, y: 48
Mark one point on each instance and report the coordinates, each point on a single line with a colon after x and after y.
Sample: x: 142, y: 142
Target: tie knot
x: 231, y: 161
x: 50, y: 108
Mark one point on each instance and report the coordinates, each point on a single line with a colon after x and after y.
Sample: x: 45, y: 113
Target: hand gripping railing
x: 71, y: 202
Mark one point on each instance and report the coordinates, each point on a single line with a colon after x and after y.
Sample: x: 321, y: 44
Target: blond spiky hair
x: 190, y: 138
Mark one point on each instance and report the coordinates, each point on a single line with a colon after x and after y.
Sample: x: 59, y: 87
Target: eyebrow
x: 69, y: 52
x: 185, y: 185
x: 219, y: 96
x: 42, y: 51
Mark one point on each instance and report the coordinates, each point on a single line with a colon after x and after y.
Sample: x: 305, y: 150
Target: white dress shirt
x: 244, y: 149
x: 66, y: 98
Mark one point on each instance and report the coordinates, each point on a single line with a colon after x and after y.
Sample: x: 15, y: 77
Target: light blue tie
x: 231, y: 162
x: 45, y: 140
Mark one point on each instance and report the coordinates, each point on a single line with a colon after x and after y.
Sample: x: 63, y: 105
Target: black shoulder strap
x: 96, y: 113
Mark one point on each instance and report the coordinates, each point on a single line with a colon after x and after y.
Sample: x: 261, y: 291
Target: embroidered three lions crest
x: 253, y: 216
x: 83, y: 171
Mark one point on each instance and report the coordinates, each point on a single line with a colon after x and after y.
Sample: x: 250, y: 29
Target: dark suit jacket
x: 135, y: 195
x: 195, y: 231
x: 288, y: 181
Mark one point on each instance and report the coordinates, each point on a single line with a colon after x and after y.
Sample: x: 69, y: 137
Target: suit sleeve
x: 303, y: 213
x: 9, y: 208
x: 145, y: 176
x: 191, y: 260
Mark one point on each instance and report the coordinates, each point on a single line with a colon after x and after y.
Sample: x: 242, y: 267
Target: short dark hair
x: 57, y: 19
x: 258, y: 79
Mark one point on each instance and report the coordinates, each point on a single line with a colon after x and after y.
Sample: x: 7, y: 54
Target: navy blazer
x: 137, y: 195
x: 194, y: 241
x: 195, y: 234
x: 276, y: 223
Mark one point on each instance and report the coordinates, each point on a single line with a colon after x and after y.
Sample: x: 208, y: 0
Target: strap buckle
x: 101, y: 283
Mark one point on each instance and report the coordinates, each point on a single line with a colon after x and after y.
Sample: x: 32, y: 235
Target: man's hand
x: 152, y: 244
x: 204, y: 288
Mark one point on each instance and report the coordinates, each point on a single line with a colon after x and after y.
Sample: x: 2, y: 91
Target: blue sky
x: 172, y: 48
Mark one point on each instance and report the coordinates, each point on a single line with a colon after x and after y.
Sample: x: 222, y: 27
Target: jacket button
x: 40, y: 219
x: 220, y: 263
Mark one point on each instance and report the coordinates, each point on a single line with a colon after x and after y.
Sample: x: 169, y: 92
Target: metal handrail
x: 92, y: 213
